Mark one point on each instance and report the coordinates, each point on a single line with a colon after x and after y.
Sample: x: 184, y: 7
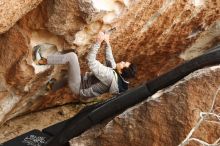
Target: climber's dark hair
x: 129, y: 72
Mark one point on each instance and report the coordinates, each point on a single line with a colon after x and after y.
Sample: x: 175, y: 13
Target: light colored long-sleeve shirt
x: 102, y: 78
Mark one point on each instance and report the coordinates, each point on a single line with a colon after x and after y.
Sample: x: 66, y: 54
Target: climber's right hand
x: 106, y: 38
x: 100, y: 37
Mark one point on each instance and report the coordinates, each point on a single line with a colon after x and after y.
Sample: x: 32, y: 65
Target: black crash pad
x: 32, y: 138
x: 58, y: 127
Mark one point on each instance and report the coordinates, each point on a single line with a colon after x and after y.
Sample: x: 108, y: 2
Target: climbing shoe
x: 37, y: 56
x: 50, y: 84
x: 42, y: 61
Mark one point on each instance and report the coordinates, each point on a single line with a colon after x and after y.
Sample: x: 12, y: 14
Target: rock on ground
x: 167, y: 117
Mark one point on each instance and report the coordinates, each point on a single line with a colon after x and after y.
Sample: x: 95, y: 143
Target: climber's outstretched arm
x: 102, y: 72
x: 109, y: 58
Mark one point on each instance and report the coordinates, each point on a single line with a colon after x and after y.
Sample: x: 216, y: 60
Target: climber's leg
x: 74, y: 76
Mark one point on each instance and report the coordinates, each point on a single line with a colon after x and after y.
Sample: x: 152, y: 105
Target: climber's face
x: 121, y: 65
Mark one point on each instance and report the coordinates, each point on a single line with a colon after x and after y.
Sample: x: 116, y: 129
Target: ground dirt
x: 37, y: 120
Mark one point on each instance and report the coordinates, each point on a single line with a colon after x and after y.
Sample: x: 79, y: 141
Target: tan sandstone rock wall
x: 182, y: 114
x: 13, y: 10
x: 156, y: 35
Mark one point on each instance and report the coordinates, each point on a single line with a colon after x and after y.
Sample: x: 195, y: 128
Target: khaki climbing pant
x: 74, y: 75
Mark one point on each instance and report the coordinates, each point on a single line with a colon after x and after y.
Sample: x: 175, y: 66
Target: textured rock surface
x: 37, y: 120
x: 19, y: 83
x: 12, y: 10
x: 166, y: 118
x: 156, y: 35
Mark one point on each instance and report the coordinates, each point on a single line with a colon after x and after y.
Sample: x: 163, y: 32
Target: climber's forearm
x: 109, y: 56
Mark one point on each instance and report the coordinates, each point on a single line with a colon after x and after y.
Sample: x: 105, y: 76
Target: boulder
x: 155, y: 35
x: 13, y: 10
x: 184, y: 114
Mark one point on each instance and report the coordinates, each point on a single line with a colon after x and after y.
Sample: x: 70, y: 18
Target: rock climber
x: 110, y: 77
